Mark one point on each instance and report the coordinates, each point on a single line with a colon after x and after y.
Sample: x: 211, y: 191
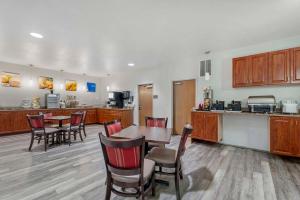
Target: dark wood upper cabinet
x: 259, y: 69
x: 279, y: 67
x: 295, y: 63
x: 272, y: 68
x: 240, y: 72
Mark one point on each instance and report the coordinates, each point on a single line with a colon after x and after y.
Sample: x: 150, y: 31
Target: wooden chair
x: 74, y: 127
x: 39, y: 131
x: 112, y: 127
x: 126, y: 167
x: 170, y: 158
x: 156, y: 122
x: 48, y: 123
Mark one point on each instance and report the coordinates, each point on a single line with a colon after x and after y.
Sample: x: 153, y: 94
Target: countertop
x: 7, y: 109
x: 250, y: 113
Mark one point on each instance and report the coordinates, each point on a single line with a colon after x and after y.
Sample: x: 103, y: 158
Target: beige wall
x: 186, y: 66
x: 13, y: 96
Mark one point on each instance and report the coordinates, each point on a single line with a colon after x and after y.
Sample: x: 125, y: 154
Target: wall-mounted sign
x: 91, y: 87
x: 9, y: 79
x: 71, y: 85
x: 45, y: 83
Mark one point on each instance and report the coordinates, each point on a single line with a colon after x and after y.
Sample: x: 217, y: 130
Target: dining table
x: 152, y: 134
x: 59, y: 118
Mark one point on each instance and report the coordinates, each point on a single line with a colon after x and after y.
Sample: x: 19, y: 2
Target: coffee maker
x: 208, y: 98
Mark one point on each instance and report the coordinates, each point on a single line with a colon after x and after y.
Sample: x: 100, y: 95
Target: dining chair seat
x: 148, y: 172
x: 47, y: 131
x: 163, y: 157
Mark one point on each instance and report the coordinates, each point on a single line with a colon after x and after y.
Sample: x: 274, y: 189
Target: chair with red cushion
x: 39, y: 131
x: 74, y: 127
x: 112, y: 127
x: 156, y: 122
x: 48, y: 123
x: 170, y: 158
x: 126, y: 167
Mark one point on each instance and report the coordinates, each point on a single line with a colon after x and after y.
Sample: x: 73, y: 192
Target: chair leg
x: 180, y: 173
x: 69, y: 136
x: 177, y: 185
x: 80, y: 136
x: 52, y: 135
x: 153, y: 184
x: 74, y: 135
x: 31, y: 141
x: 108, y: 189
x: 40, y: 138
x: 84, y: 131
x: 46, y: 141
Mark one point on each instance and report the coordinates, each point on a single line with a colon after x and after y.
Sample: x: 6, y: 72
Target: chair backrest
x: 84, y: 116
x: 187, y: 130
x: 156, y: 122
x: 122, y: 156
x: 46, y: 114
x: 36, y: 122
x: 76, y: 119
x: 112, y: 127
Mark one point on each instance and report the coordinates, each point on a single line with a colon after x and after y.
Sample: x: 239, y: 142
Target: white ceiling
x: 101, y: 36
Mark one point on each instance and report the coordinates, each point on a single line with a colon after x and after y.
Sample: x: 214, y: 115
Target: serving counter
x: 14, y: 121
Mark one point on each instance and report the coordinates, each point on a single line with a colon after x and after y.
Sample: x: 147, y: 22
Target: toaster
x: 290, y: 107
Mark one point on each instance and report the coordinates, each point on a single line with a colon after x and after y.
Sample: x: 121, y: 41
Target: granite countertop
x: 275, y: 114
x: 43, y: 108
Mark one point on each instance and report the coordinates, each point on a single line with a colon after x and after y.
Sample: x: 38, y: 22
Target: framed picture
x: 45, y: 83
x: 9, y: 79
x: 91, y: 87
x: 71, y: 85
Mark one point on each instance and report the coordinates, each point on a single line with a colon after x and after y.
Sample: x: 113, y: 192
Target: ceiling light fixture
x: 36, y: 35
x: 131, y: 64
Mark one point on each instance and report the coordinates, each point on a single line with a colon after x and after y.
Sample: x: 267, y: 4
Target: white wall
x: 186, y: 66
x: 13, y: 96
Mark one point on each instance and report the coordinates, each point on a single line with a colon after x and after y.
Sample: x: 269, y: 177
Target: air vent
x: 205, y: 67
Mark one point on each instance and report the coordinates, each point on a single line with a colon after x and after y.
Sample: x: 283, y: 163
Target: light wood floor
x: 77, y: 172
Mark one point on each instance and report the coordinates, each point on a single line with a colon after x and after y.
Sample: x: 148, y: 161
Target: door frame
x: 172, y: 99
x: 138, y: 100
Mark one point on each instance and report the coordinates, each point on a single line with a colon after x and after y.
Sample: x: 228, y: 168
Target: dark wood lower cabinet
x: 285, y: 136
x: 206, y: 126
x: 15, y: 121
x: 107, y: 114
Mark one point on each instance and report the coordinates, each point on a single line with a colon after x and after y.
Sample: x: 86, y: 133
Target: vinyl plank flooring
x: 211, y: 172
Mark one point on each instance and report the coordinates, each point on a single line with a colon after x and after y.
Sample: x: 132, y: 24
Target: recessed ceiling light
x: 131, y: 64
x: 36, y: 35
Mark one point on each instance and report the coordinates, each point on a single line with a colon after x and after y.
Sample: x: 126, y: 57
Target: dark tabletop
x: 155, y: 135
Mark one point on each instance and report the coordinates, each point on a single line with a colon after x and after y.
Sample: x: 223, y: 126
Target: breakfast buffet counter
x: 14, y: 120
x: 276, y: 132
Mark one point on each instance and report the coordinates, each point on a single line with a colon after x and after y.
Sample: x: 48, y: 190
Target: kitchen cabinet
x: 271, y: 68
x: 295, y: 62
x: 258, y: 69
x: 109, y: 114
x: 285, y: 135
x: 15, y: 121
x: 279, y: 67
x: 240, y: 72
x: 206, y: 126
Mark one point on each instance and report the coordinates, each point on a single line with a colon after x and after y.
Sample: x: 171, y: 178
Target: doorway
x: 145, y: 102
x: 184, y: 99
